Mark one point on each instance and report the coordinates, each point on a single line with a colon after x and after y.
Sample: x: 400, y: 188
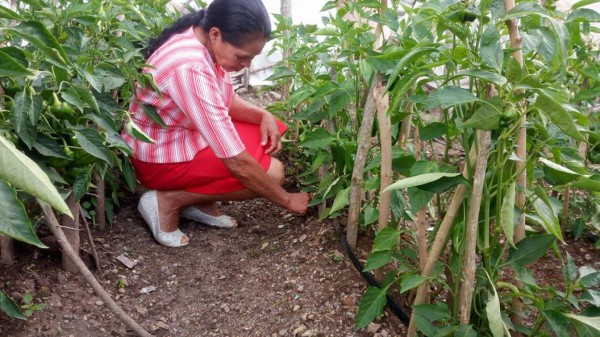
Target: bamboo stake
x: 469, y: 263
x: 421, y: 215
x: 7, y: 251
x: 364, y: 139
x: 405, y: 127
x: 100, y: 201
x: 515, y: 43
x: 439, y: 243
x: 87, y: 274
x: 71, y: 232
x: 382, y: 103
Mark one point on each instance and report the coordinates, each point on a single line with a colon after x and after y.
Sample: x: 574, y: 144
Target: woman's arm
x: 244, y: 111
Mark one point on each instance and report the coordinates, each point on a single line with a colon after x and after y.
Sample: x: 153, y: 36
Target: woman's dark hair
x: 236, y: 19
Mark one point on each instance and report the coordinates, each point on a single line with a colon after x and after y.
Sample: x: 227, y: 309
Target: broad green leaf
x: 490, y: 48
x: 370, y: 307
x: 426, y: 314
x: 589, y: 277
x: 386, y: 239
x: 136, y: 132
x: 23, y: 173
x: 370, y: 214
x: 487, y: 117
x: 15, y: 222
x: 494, y: 315
x: 541, y: 40
x: 82, y: 183
x: 104, y: 77
x: 482, y: 74
x: 418, y: 198
x: 558, y: 174
x: 418, y: 180
x: 507, y: 213
x: 81, y: 97
x: 431, y: 131
x: 583, y: 3
x: 413, y: 54
x: 466, y: 331
x: 151, y: 112
x: 530, y: 249
x: 411, y: 281
x: 443, y: 184
x: 9, y: 67
x: 91, y: 141
x: 279, y: 73
x: 49, y: 147
x: 317, y: 139
x: 583, y: 15
x: 591, y: 296
x: 558, y: 115
x: 9, y: 307
x: 341, y: 200
x: 585, y: 326
x: 338, y: 101
x: 378, y: 259
x: 450, y: 96
x: 549, y: 219
x: 37, y: 33
x: 7, y: 13
x: 557, y: 321
x: 525, y: 9
x: 129, y: 175
x: 591, y: 183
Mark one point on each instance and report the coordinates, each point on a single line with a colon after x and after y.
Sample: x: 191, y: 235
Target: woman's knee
x: 276, y: 171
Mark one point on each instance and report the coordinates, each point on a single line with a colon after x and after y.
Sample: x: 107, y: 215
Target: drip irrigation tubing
x: 391, y: 303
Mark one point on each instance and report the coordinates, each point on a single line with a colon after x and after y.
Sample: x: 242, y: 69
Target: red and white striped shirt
x: 196, y: 95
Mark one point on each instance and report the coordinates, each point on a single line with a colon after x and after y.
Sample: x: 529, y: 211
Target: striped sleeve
x: 197, y: 93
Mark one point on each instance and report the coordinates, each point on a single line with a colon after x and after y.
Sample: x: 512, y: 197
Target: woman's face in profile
x: 235, y: 58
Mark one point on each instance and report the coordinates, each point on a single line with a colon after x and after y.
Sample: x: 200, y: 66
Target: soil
x: 275, y: 274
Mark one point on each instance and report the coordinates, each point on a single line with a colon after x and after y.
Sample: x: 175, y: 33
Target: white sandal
x: 148, y: 207
x: 222, y: 221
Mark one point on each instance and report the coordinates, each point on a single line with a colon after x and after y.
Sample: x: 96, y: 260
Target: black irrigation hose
x: 391, y: 303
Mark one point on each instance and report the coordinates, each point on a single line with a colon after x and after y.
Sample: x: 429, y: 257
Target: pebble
x: 225, y: 308
x: 299, y: 330
x: 141, y: 310
x: 99, y: 303
x: 296, y: 308
x: 384, y: 333
x: 373, y: 327
x: 300, y: 289
x: 282, y: 332
x: 302, y: 238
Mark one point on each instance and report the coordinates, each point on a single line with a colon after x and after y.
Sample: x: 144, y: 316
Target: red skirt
x: 205, y: 174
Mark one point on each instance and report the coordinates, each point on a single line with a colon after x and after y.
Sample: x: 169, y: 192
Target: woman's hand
x: 269, y: 134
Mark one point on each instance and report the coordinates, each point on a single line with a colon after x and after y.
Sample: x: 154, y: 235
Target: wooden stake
x: 100, y: 201
x: 71, y: 233
x: 382, y: 103
x: 87, y: 274
x: 7, y: 251
x: 469, y: 264
x: 91, y: 240
x: 364, y: 140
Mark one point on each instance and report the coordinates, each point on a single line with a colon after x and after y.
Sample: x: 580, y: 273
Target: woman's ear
x: 214, y: 34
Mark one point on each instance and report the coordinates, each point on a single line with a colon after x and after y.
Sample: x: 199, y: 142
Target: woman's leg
x: 171, y: 203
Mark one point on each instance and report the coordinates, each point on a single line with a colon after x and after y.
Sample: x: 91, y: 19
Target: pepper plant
x: 67, y: 72
x: 449, y: 65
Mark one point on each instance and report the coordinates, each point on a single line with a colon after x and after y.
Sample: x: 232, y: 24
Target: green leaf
x: 558, y: 115
x: 378, y: 259
x: 482, y: 74
x: 129, y: 175
x: 583, y: 15
x: 91, y: 141
x: 466, y: 331
x: 80, y: 96
x: 490, y: 48
x: 338, y: 101
x: 7, y: 13
x: 136, y: 132
x: 558, y: 174
x: 557, y: 321
x: 426, y: 314
x: 583, y: 3
x: 104, y: 77
x: 589, y: 277
x: 82, y: 183
x: 49, y: 147
x: 317, y: 139
x: 15, y: 222
x: 450, y: 96
x: 419, y: 180
x: 151, y: 112
x: 591, y: 183
x: 544, y: 210
x: 411, y: 281
x: 585, y: 326
x: 23, y: 173
x: 386, y: 239
x: 370, y: 307
x: 341, y: 200
x: 9, y: 67
x: 279, y: 73
x: 525, y: 9
x: 507, y: 213
x: 530, y: 249
x: 541, y: 40
x: 494, y: 315
x: 487, y: 117
x: 9, y: 307
x: 413, y: 54
x: 431, y: 131
x: 591, y: 296
x: 37, y: 33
